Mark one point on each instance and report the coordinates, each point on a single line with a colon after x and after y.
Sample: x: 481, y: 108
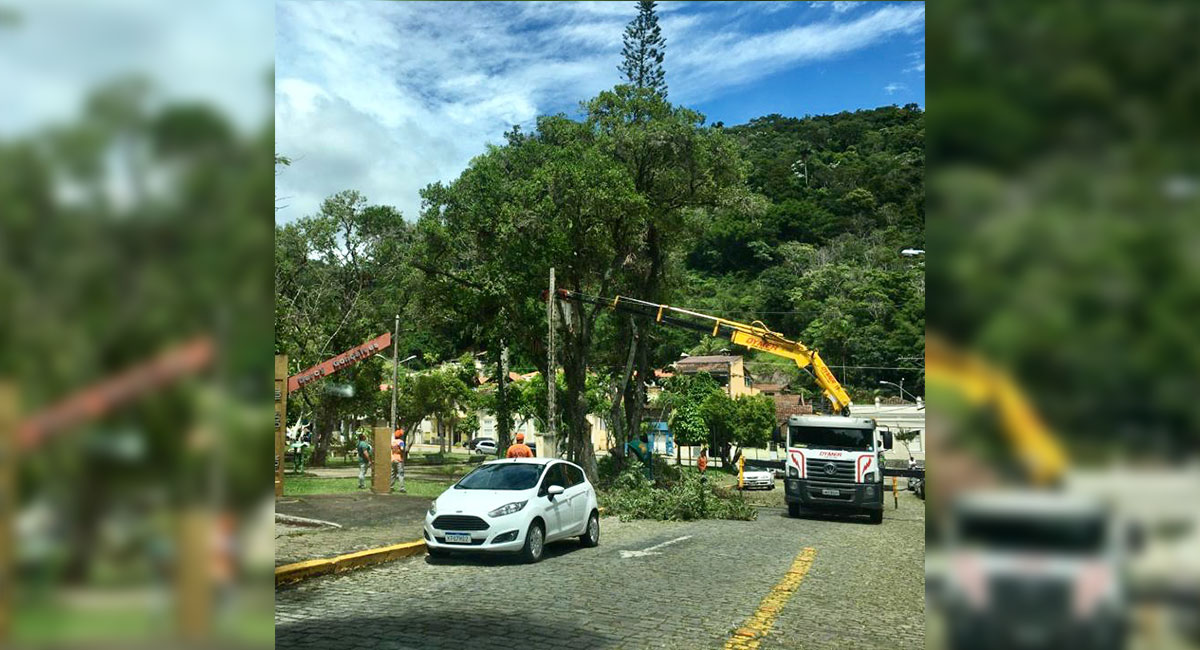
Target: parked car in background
x: 475, y: 443
x: 514, y: 505
x: 758, y: 479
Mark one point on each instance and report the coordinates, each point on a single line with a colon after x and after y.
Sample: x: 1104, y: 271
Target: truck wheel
x: 793, y: 510
x: 877, y: 516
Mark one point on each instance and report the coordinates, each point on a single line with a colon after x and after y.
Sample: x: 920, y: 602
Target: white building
x: 897, y: 418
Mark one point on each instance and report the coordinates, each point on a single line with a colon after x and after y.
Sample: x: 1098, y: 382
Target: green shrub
x: 665, y: 474
x: 631, y: 496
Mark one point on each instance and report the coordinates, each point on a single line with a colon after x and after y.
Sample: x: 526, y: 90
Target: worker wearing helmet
x: 520, y: 449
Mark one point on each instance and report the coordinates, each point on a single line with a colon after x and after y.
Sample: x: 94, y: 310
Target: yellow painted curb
x: 290, y: 573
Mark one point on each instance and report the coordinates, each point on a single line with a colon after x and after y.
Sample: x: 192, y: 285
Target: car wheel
x: 793, y: 509
x: 535, y: 543
x: 591, y: 535
x: 877, y: 516
x: 771, y: 486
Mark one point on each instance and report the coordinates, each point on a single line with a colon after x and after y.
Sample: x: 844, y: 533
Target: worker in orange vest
x: 520, y: 449
x: 702, y: 463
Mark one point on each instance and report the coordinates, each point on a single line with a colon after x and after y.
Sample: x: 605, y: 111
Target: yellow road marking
x: 751, y: 633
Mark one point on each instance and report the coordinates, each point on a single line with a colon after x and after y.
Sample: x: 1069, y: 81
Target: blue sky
x: 387, y: 97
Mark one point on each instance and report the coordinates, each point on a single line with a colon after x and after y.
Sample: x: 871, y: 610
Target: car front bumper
x: 481, y: 540
x: 752, y: 483
x: 858, y: 496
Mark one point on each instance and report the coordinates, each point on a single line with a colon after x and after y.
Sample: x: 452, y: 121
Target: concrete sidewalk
x: 368, y: 521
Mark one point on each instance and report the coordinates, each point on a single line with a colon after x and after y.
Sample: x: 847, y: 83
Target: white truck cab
x: 1028, y: 569
x: 835, y: 463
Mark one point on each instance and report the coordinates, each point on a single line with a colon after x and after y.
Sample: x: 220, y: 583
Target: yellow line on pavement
x: 751, y: 633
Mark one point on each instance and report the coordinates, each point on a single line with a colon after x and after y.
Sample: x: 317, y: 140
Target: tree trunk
x: 620, y: 432
x: 324, y: 421
x: 579, y: 439
x: 650, y: 285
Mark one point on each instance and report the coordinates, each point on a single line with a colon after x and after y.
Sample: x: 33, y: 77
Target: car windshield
x: 830, y: 438
x: 1065, y: 534
x: 502, y: 476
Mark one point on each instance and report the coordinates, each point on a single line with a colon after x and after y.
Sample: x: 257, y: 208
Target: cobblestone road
x: 865, y: 588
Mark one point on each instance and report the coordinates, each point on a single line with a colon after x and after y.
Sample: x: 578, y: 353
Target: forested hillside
x: 821, y: 259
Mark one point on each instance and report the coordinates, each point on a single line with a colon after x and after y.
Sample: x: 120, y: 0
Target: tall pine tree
x: 643, y: 50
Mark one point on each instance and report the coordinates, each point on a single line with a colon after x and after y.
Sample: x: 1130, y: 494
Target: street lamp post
x: 900, y: 386
x: 395, y: 368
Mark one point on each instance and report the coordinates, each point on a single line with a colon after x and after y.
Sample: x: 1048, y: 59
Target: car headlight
x: 432, y: 508
x: 508, y: 509
x: 869, y: 477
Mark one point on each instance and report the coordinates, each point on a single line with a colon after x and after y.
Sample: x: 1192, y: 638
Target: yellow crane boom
x: 755, y: 335
x: 1038, y: 451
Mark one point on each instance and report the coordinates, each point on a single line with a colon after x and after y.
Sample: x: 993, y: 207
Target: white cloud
x: 894, y: 87
x: 918, y: 58
x: 838, y: 7
x: 386, y: 98
x: 218, y: 52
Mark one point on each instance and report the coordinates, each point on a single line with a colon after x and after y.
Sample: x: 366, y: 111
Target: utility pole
x: 551, y: 373
x: 395, y: 368
x: 281, y: 396
x: 8, y: 505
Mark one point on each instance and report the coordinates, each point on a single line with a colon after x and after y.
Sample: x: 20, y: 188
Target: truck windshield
x: 1071, y: 534
x: 830, y: 438
x: 501, y: 476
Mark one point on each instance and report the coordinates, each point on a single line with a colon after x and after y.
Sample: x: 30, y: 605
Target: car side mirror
x: 887, y: 439
x: 555, y: 490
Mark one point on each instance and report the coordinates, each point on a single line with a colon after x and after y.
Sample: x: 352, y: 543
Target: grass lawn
x: 294, y: 486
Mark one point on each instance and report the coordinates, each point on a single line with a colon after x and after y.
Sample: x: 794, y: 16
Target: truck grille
x: 1031, y: 598
x: 459, y: 522
x: 843, y: 475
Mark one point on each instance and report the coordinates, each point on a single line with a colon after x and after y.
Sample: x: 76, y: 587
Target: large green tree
x: 643, y: 49
x: 550, y: 199
x: 341, y: 276
x: 680, y: 170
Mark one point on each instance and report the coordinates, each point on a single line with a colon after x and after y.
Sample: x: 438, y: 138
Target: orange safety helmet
x: 399, y: 433
x: 520, y: 437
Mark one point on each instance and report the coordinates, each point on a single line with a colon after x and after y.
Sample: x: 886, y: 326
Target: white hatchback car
x: 514, y: 505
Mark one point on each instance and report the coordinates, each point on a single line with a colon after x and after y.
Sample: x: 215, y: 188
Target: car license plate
x: 825, y: 491
x: 458, y: 538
